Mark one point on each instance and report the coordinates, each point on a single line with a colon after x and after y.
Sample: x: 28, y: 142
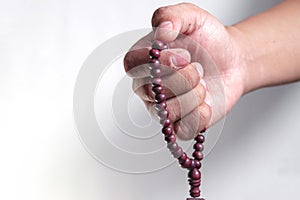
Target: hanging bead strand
x: 192, y: 164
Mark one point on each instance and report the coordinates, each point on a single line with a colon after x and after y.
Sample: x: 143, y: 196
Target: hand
x: 197, y: 95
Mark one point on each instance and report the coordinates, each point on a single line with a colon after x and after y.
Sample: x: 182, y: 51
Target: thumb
x: 170, y: 21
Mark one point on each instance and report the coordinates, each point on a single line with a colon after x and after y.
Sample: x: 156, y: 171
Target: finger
x: 182, y: 18
x: 136, y: 61
x: 138, y: 55
x: 182, y: 105
x: 173, y: 85
x: 190, y: 125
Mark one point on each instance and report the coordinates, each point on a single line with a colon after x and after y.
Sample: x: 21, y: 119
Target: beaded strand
x: 191, y: 164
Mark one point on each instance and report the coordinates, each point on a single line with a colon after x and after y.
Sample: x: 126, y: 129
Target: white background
x: 42, y: 47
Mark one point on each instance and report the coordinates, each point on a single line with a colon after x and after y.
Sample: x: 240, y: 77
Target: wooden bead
x: 178, y: 152
x: 163, y: 114
x: 160, y: 98
x: 182, y: 158
x: 194, y: 174
x: 154, y: 63
x: 198, y: 155
x: 154, y: 53
x: 158, y: 45
x: 187, y: 163
x: 198, y: 147
x: 200, y: 139
x: 195, y: 192
x: 195, y: 182
x: 193, y: 164
x: 173, y: 146
x: 167, y: 131
x: 160, y: 106
x: 157, y: 89
x: 166, y: 122
x: 156, y: 72
x: 170, y: 139
x: 198, y: 164
x: 156, y: 81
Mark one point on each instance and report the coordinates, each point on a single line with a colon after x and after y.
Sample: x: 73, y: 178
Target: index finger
x: 138, y: 55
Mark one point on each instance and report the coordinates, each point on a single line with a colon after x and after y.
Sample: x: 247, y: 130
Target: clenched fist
x: 202, y: 74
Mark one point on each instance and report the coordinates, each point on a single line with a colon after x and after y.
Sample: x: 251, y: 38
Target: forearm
x: 270, y: 46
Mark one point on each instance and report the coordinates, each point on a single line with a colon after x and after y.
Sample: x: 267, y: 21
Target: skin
x: 261, y: 51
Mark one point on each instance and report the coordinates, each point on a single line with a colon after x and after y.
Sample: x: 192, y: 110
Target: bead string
x: 192, y: 164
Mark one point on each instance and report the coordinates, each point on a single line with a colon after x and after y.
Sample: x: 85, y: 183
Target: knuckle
x: 188, y: 78
x: 191, y: 78
x: 159, y: 11
x: 189, y: 5
x: 174, y: 111
x: 194, y: 74
x: 205, y: 113
x: 188, y: 85
x: 199, y: 94
x: 184, y: 131
x: 158, y: 15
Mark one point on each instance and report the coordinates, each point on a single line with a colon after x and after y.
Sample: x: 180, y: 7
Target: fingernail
x: 202, y: 81
x: 165, y: 32
x: 199, y: 68
x: 166, y: 25
x: 208, y: 99
x: 181, y: 58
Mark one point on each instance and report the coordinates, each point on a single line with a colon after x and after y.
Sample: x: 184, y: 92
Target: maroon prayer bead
x: 154, y: 63
x: 178, y: 152
x: 194, y: 174
x: 203, y: 130
x: 198, y: 155
x: 200, y: 138
x: 195, y: 192
x: 157, y: 89
x: 198, y: 164
x: 193, y: 164
x: 170, y: 139
x: 158, y: 45
x: 156, y: 72
x: 154, y: 53
x: 163, y: 114
x: 172, y: 146
x: 156, y: 81
x: 187, y: 163
x: 160, y: 98
x: 198, y: 147
x: 195, y: 182
x: 161, y: 106
x: 167, y: 131
x: 166, y: 122
x: 182, y: 158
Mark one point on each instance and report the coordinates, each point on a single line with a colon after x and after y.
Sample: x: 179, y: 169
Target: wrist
x: 244, y: 59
